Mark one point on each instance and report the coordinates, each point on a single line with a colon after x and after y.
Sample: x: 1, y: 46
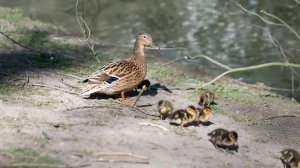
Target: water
x: 217, y: 28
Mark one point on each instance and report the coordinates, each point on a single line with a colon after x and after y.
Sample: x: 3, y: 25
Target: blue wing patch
x: 111, y: 79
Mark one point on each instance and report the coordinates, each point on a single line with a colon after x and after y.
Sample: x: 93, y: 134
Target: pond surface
x: 217, y: 28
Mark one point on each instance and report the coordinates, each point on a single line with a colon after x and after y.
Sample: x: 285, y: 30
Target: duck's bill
x: 153, y: 47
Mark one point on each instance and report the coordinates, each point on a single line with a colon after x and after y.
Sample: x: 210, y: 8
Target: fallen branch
x: 121, y: 161
x: 63, y: 82
x: 154, y: 125
x: 134, y: 108
x: 252, y: 68
x: 41, y: 165
x: 19, y: 44
x: 122, y: 155
x: 279, y: 116
x: 196, y: 57
x: 84, y: 107
x: 52, y: 87
x: 70, y: 75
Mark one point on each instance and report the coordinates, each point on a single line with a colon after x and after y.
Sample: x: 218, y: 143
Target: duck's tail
x: 92, y: 88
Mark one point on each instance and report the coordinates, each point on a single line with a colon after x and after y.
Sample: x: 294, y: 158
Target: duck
x: 206, y: 98
x: 290, y: 158
x: 121, y: 75
x: 204, y: 115
x: 183, y: 117
x: 165, y: 108
x: 222, y: 138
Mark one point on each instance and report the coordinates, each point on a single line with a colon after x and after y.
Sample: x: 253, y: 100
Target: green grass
x: 11, y: 15
x: 28, y: 155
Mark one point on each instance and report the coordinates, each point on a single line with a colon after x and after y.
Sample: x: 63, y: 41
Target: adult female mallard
x: 121, y: 75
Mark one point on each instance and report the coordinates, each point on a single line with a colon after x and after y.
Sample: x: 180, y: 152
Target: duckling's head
x: 145, y: 39
x: 164, y: 105
x: 233, y: 136
x: 191, y: 110
x: 207, y: 111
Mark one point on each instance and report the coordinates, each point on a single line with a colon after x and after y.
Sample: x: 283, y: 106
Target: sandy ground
x: 80, y: 131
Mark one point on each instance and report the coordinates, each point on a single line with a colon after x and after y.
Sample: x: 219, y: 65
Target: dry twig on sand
x: 279, y: 116
x: 155, y: 125
x: 141, y: 159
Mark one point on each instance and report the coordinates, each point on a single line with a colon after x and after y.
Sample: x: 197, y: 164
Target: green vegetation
x: 28, y: 155
x: 11, y: 15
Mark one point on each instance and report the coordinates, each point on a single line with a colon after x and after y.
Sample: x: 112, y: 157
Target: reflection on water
x: 219, y: 29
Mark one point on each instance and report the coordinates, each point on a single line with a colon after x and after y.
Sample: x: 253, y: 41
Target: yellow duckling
x: 290, y: 158
x: 204, y: 115
x: 206, y: 99
x: 165, y: 108
x: 184, y: 117
x: 222, y: 138
x: 121, y: 75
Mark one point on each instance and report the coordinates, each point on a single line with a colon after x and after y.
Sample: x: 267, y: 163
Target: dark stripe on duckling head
x: 111, y: 79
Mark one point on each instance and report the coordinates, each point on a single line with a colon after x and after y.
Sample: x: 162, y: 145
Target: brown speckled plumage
x: 121, y: 75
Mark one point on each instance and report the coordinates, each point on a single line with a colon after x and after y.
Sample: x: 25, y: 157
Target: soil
x: 100, y: 132
x: 77, y: 130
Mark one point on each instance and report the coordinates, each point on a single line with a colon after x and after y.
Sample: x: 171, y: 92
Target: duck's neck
x: 138, y: 48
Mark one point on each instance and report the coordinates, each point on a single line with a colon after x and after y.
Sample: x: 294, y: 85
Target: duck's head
x: 233, y: 136
x: 145, y: 39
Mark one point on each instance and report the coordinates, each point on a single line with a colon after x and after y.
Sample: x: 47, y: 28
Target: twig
x: 139, y: 95
x: 279, y: 116
x: 283, y: 23
x: 121, y: 161
x: 270, y: 64
x: 63, y: 82
x: 263, y: 19
x: 135, y: 108
x: 84, y: 107
x: 196, y: 57
x: 19, y: 44
x: 52, y: 87
x: 85, y: 29
x: 70, y: 75
x: 154, y: 125
x: 122, y: 154
x: 41, y: 165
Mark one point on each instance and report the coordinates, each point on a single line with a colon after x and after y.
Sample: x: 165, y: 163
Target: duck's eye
x: 144, y: 36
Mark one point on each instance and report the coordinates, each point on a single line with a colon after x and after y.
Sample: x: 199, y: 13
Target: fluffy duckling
x: 206, y: 99
x: 184, y: 117
x: 204, y: 115
x: 290, y: 158
x: 223, y: 138
x: 165, y: 108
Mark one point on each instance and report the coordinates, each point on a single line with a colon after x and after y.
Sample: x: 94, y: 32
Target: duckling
x: 204, y: 115
x: 164, y: 108
x: 206, y: 99
x: 184, y: 117
x: 290, y: 158
x: 223, y: 138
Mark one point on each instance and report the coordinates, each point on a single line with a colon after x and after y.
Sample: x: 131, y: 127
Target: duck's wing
x: 113, y: 72
x: 113, y: 76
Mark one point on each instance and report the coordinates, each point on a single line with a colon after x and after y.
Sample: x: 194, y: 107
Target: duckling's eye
x: 144, y: 36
